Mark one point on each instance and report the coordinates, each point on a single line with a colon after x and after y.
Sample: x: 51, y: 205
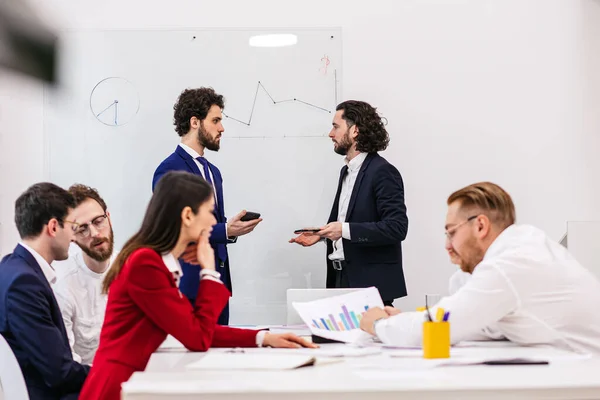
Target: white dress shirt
x: 528, y: 287
x: 195, y: 155
x: 457, y: 281
x: 46, y: 268
x: 345, y: 194
x: 82, y: 304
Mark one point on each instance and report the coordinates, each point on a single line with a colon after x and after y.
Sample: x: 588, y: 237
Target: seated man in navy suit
x: 30, y: 319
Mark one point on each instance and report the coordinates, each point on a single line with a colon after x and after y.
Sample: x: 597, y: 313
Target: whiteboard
x: 109, y: 125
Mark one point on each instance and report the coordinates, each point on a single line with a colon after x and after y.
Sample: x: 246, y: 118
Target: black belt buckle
x: 337, y: 265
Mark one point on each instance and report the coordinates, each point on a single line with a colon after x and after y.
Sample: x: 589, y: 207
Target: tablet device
x: 305, y: 230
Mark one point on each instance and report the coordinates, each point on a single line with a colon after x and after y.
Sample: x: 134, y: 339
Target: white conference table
x: 389, y: 375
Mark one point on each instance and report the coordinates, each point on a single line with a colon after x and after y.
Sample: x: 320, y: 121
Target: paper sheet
x: 338, y: 317
x: 251, y: 361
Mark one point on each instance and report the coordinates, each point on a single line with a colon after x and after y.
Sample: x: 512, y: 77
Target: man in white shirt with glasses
x: 523, y: 286
x: 78, y: 290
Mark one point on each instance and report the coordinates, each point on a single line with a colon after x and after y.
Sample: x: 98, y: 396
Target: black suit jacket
x: 378, y: 225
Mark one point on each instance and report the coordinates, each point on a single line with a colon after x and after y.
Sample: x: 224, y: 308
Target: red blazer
x: 144, y: 306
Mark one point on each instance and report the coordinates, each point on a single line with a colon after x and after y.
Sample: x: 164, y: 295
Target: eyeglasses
x: 452, y: 231
x: 74, y: 225
x: 83, y: 230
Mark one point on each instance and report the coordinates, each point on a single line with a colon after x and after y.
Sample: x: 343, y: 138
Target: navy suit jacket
x: 31, y: 323
x: 180, y: 160
x: 378, y: 225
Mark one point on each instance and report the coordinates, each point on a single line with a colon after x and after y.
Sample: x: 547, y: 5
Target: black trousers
x: 342, y: 282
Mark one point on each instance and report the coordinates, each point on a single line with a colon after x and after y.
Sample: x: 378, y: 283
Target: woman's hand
x: 204, y: 252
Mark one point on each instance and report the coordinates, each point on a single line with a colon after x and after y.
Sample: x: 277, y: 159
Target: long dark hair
x: 162, y: 223
x: 372, y: 135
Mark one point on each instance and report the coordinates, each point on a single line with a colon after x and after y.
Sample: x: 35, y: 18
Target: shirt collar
x: 190, y: 151
x: 46, y: 268
x: 172, y: 263
x: 356, y: 162
x: 499, y: 244
x: 79, y: 261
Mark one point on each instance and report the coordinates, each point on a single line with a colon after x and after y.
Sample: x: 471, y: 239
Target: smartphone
x: 305, y: 230
x: 250, y: 216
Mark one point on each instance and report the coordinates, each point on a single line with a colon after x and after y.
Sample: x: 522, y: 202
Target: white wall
x: 473, y: 90
x: 21, y: 147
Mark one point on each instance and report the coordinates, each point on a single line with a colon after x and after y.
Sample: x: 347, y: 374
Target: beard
x: 470, y: 258
x: 99, y: 255
x: 207, y: 141
x: 344, y: 145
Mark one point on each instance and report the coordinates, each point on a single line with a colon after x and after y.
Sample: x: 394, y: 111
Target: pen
x: 439, y: 316
x: 446, y: 316
x: 427, y: 309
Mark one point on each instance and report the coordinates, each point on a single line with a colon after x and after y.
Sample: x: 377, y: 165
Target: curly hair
x: 372, y: 135
x: 194, y: 103
x: 83, y: 192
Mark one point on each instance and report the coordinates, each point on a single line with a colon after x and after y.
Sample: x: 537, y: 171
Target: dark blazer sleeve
x: 153, y: 290
x: 219, y: 234
x: 389, y: 198
x: 162, y: 169
x: 30, y: 321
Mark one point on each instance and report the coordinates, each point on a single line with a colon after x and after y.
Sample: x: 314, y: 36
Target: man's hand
x: 306, y: 239
x: 286, y: 340
x: 391, y: 311
x: 367, y: 323
x: 331, y: 231
x: 190, y: 255
x: 235, y: 227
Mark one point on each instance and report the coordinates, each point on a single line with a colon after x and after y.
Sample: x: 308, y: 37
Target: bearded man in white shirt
x: 78, y: 290
x: 526, y: 286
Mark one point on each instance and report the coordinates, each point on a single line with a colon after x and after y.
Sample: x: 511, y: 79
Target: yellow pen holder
x: 436, y: 340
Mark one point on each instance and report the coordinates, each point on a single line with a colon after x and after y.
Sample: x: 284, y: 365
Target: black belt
x: 338, y: 265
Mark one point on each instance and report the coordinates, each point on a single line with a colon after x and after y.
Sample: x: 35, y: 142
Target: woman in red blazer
x: 144, y: 303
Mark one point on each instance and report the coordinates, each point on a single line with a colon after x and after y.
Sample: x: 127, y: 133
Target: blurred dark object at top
x: 27, y: 45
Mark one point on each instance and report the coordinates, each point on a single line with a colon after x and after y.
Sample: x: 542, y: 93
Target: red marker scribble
x: 326, y: 62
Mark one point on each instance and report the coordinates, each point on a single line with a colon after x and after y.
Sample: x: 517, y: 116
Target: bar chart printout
x: 338, y: 317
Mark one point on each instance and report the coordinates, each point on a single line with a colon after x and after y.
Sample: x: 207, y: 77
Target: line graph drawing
x: 260, y: 86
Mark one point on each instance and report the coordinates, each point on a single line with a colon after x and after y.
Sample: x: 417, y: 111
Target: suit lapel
x: 336, y: 203
x: 189, y: 161
x: 359, y: 178
x: 33, y: 264
x: 193, y: 167
x: 218, y: 181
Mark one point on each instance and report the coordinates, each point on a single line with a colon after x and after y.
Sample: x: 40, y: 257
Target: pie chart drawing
x: 114, y: 101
